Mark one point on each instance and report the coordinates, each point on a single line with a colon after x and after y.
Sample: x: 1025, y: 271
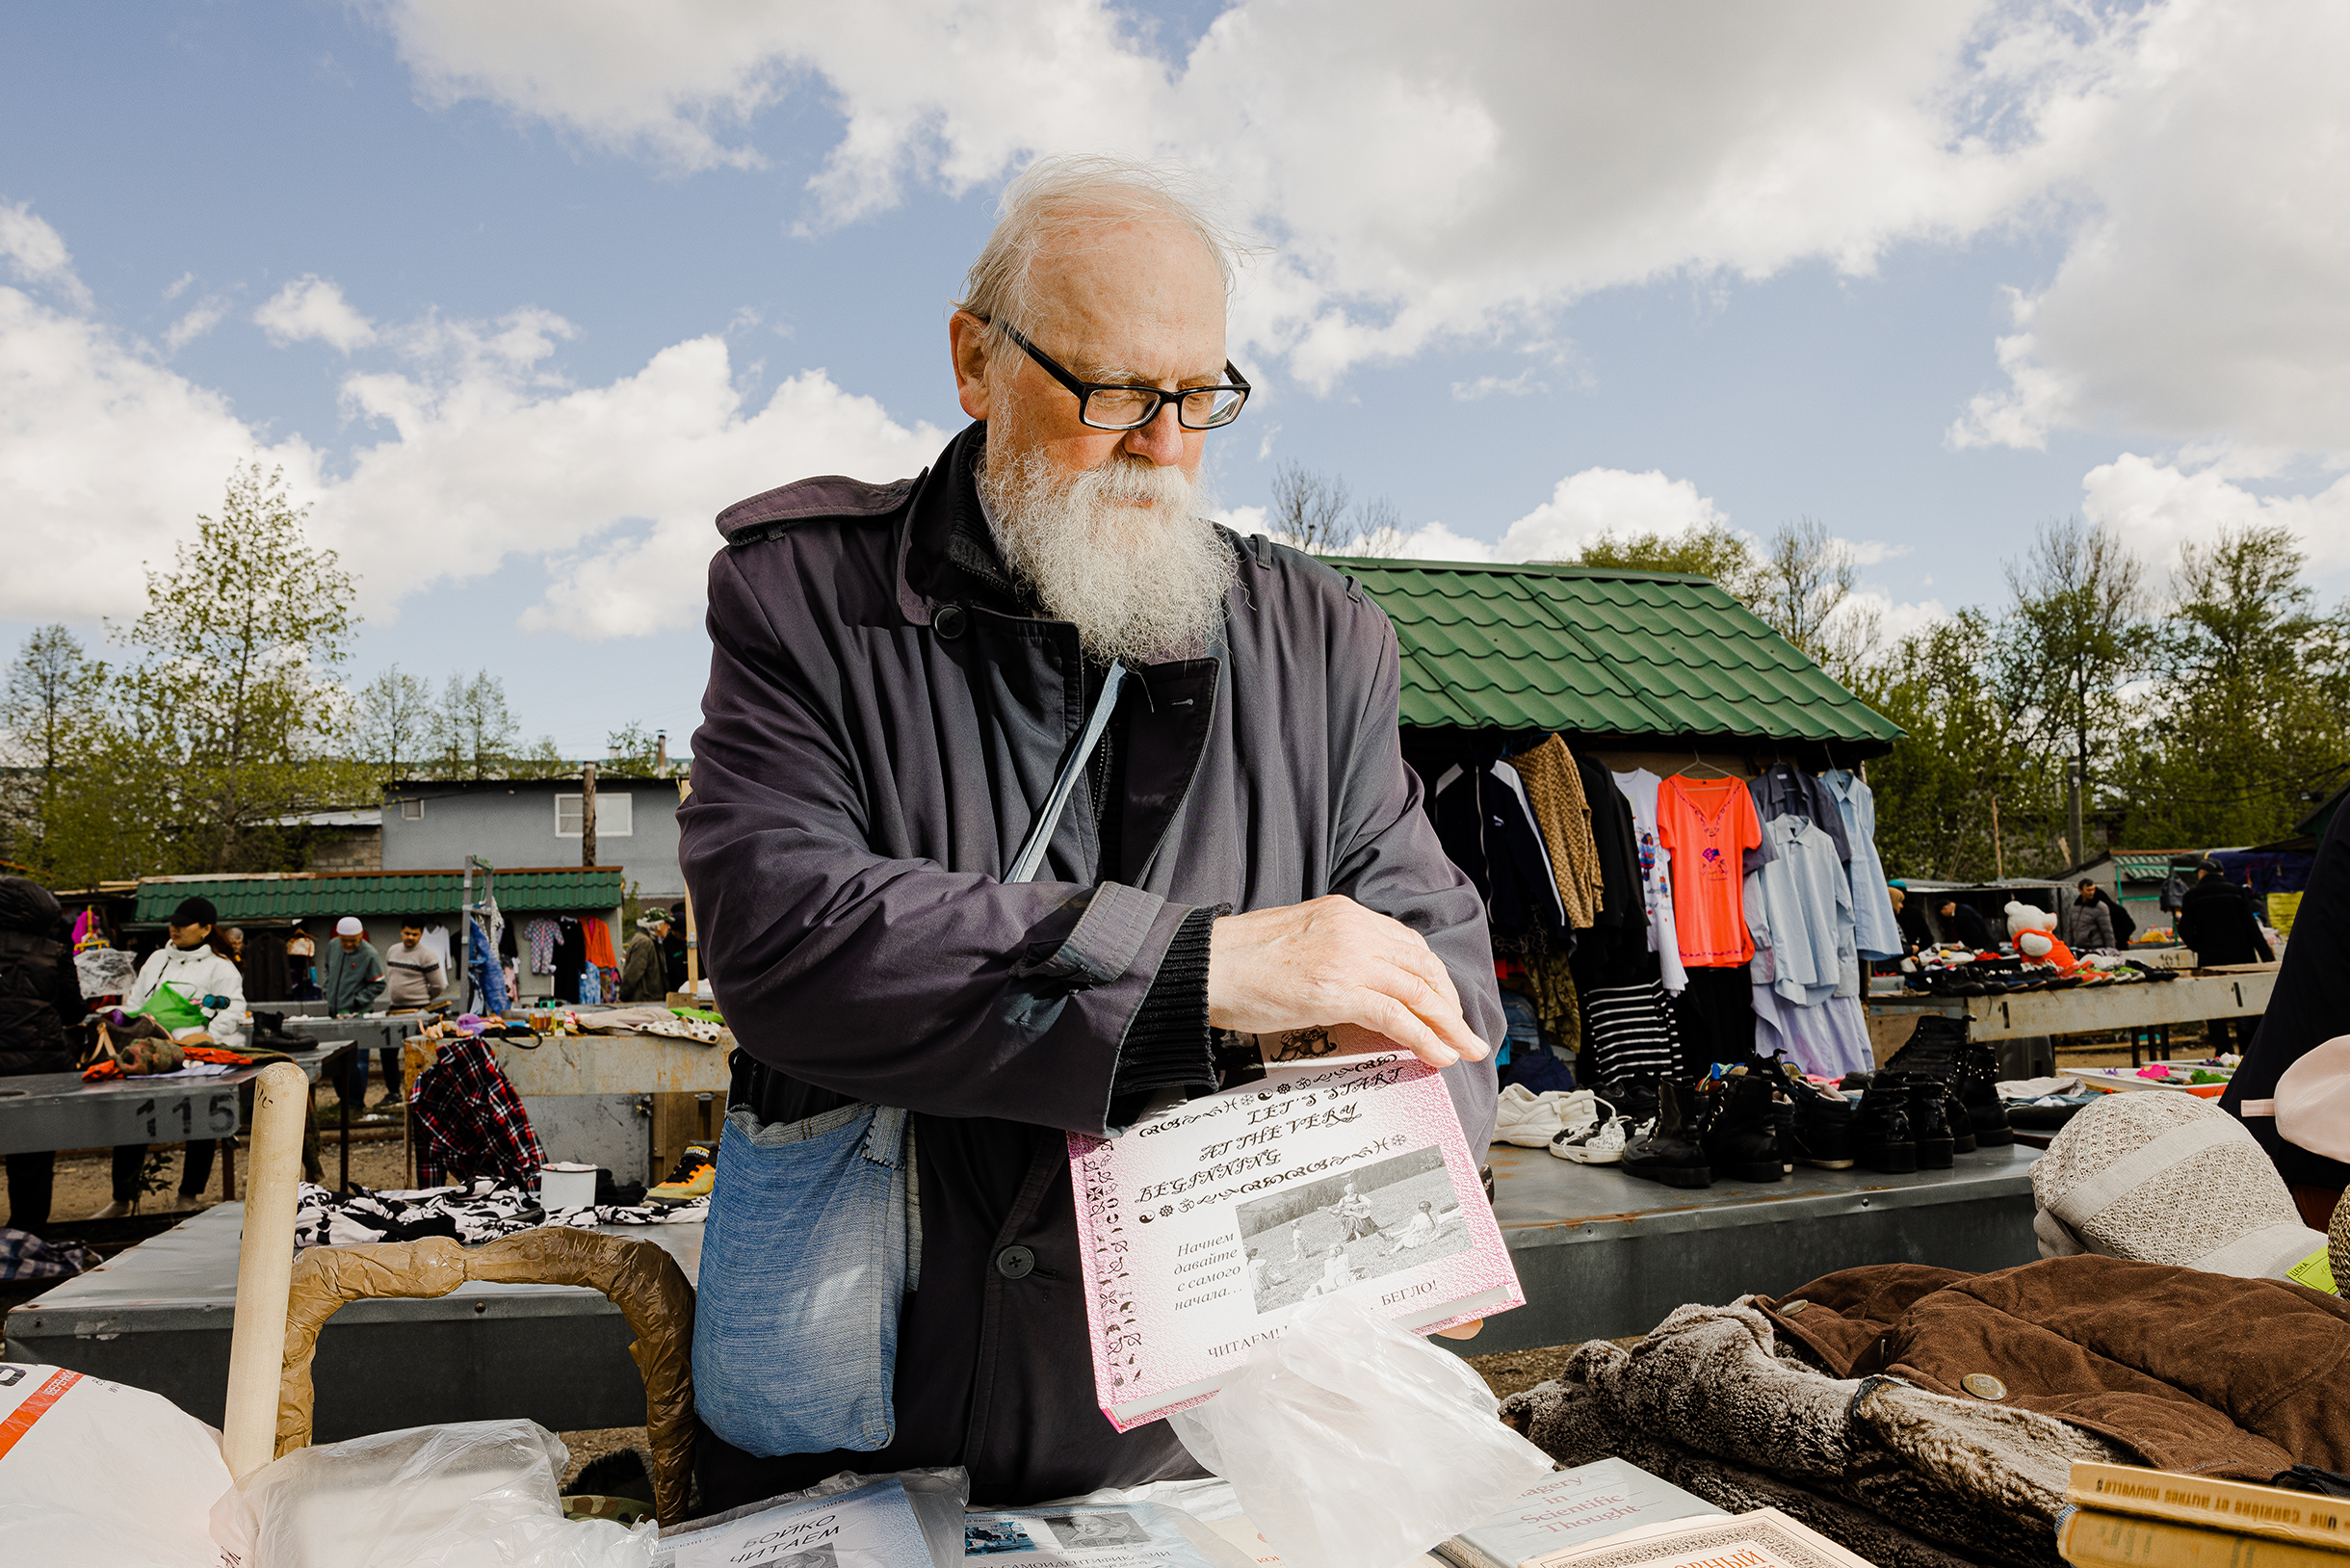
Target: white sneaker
x: 1530, y: 1120
x: 1601, y: 1143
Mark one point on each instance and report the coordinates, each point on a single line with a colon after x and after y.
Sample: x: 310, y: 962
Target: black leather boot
x: 1929, y: 1122
x: 1671, y: 1153
x: 1975, y: 1085
x: 1741, y: 1140
x: 1881, y: 1129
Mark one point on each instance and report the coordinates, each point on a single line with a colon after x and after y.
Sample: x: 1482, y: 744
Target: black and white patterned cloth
x: 482, y: 1212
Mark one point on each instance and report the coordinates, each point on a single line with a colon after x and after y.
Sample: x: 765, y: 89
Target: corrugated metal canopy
x: 312, y: 895
x: 1597, y: 651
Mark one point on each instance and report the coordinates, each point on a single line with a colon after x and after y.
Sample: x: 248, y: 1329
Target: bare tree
x: 1312, y: 511
x: 2073, y: 637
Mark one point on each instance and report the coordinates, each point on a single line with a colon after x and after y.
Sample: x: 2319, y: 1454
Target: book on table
x: 871, y: 1527
x: 1572, y: 1508
x: 1202, y: 1228
x: 1764, y: 1538
x: 2127, y: 1517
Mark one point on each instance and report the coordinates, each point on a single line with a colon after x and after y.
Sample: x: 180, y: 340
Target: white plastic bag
x: 101, y: 1476
x: 475, y: 1494
x: 1353, y: 1443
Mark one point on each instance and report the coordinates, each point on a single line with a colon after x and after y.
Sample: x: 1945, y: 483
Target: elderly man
x: 899, y: 671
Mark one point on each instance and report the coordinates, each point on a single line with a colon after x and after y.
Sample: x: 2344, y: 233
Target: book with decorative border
x: 1764, y: 1538
x: 1574, y: 1508
x: 1203, y: 1227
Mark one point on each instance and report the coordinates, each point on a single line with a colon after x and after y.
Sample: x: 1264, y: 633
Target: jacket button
x: 1015, y: 1263
x: 947, y: 621
x: 1983, y: 1386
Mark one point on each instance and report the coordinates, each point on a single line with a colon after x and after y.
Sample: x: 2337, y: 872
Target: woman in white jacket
x: 197, y: 965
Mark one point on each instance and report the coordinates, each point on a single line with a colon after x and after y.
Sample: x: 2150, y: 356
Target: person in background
x: 2084, y: 923
x: 2215, y: 919
x: 353, y: 977
x: 1911, y: 919
x: 196, y: 963
x: 412, y: 970
x: 673, y: 947
x: 301, y: 970
x: 643, y: 976
x: 234, y: 937
x: 40, y: 1000
x: 1964, y: 924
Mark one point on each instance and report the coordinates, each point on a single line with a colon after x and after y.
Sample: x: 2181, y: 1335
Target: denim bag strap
x: 813, y: 1235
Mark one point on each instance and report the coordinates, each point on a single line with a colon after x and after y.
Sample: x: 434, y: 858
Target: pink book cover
x: 1203, y: 1227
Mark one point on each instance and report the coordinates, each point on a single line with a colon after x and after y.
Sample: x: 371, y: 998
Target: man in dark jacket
x: 2215, y: 919
x: 2084, y: 923
x: 896, y: 673
x: 40, y: 1000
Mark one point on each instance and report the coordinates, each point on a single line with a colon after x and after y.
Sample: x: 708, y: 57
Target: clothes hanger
x: 1696, y: 761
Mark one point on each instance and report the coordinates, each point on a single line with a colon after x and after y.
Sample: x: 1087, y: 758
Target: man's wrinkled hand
x: 1330, y: 961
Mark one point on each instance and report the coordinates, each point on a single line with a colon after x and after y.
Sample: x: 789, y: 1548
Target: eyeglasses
x: 1108, y: 406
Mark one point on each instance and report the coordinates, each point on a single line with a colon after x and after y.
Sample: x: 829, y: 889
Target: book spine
x: 2093, y: 1538
x: 2266, y: 1511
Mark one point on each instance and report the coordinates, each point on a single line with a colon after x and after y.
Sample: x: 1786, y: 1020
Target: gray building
x: 518, y: 823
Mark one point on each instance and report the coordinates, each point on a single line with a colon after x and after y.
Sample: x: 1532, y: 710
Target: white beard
x: 1143, y: 583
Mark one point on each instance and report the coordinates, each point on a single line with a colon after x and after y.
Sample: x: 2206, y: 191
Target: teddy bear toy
x: 2034, y: 931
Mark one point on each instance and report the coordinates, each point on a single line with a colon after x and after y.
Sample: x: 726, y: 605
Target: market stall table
x: 2147, y: 1011
x: 63, y: 1110
x: 157, y: 1317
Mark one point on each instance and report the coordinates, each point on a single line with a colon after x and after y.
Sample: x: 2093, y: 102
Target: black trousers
x: 1715, y: 1018
x: 195, y: 1168
x: 32, y: 1178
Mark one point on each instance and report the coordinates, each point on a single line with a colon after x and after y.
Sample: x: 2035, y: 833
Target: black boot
x: 1823, y: 1135
x: 1976, y: 1086
x: 1881, y: 1129
x: 1741, y: 1138
x: 1929, y: 1123
x: 1633, y: 1098
x: 1671, y: 1152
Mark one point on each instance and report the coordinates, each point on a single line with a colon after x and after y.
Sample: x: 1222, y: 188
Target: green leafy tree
x: 2073, y: 635
x: 52, y: 713
x: 1937, y: 792
x: 1713, y: 552
x: 2250, y: 711
x: 233, y: 717
x: 394, y: 724
x: 635, y: 751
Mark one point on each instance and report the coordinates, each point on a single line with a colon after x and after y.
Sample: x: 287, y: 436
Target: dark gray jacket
x: 875, y: 736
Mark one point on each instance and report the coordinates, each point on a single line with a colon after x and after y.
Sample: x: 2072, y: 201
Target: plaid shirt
x: 472, y: 1122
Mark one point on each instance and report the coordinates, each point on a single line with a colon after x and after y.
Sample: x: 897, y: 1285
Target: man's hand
x: 1330, y: 961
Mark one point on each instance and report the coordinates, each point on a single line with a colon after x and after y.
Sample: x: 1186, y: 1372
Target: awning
x: 322, y: 895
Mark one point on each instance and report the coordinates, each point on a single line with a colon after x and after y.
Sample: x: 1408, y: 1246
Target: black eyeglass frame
x: 1160, y: 396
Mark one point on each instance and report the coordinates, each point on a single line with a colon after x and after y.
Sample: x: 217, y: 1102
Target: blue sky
x: 520, y: 296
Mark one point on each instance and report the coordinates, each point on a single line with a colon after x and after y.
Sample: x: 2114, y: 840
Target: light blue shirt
x: 1875, y: 931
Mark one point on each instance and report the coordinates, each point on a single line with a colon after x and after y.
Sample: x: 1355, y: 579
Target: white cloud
x: 484, y: 452
x: 200, y: 318
x: 2158, y: 508
x: 37, y: 253
x: 1424, y: 179
x: 1521, y: 386
x: 178, y: 287
x: 1874, y: 552
x: 1434, y: 541
x: 1607, y: 500
x: 312, y: 307
x: 2200, y: 297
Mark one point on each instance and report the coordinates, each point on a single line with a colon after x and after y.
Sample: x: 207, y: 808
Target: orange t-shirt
x: 1709, y: 824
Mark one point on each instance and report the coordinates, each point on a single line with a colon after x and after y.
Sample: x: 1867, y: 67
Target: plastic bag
x: 475, y: 1494
x: 1353, y: 1443
x: 101, y: 1476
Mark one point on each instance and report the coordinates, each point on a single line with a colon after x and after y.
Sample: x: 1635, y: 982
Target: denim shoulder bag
x: 813, y: 1239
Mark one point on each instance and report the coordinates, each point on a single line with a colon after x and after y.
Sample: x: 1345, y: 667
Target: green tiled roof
x: 312, y: 895
x: 1598, y: 651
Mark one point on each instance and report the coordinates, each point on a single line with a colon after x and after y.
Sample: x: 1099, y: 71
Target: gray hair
x: 1068, y: 193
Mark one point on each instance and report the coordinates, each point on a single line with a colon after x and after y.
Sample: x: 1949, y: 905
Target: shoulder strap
x: 1040, y: 832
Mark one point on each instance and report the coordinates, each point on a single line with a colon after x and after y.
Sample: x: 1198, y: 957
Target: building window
x: 614, y: 817
x: 413, y: 811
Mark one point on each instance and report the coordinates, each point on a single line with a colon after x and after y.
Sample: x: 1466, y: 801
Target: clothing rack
x: 471, y: 906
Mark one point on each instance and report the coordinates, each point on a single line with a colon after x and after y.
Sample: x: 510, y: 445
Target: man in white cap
x: 354, y: 977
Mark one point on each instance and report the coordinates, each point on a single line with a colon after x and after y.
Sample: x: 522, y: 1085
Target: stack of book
x: 2118, y: 1517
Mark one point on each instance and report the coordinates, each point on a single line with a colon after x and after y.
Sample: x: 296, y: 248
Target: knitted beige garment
x: 1555, y: 791
x: 2160, y: 1176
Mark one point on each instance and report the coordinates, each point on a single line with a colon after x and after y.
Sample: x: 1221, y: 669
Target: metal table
x: 2146, y: 1011
x: 157, y: 1317
x: 1603, y: 1255
x: 59, y: 1111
